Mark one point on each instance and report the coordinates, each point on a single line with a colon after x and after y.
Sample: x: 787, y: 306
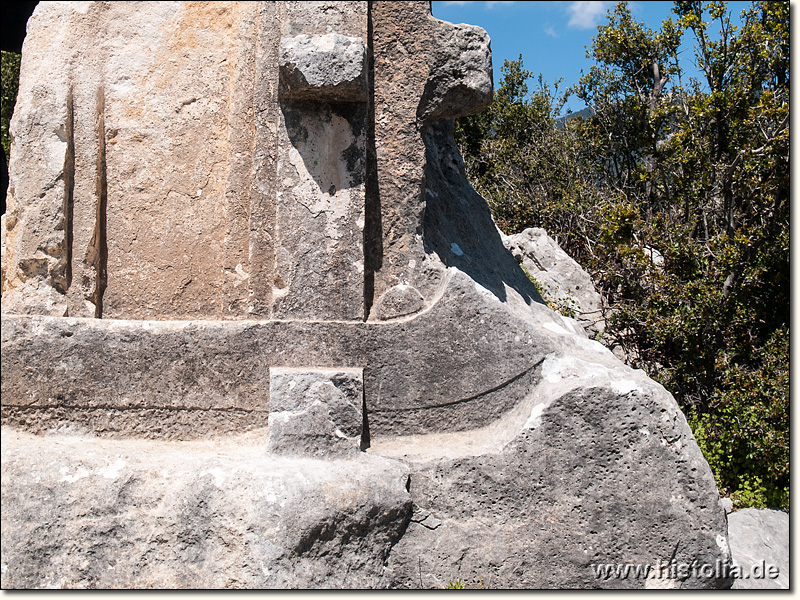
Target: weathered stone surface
x: 239, y: 233
x: 2, y: 249
x: 611, y: 450
x: 565, y: 283
x: 90, y: 513
x: 398, y: 301
x: 320, y: 18
x: 460, y: 80
x: 320, y: 202
x: 168, y: 379
x: 419, y: 374
x: 324, y: 67
x: 123, y: 101
x: 425, y: 70
x: 316, y: 412
x: 759, y: 542
x: 319, y: 264
x: 597, y: 466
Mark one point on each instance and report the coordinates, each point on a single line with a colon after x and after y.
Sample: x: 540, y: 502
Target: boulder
x: 561, y: 279
x: 259, y: 330
x: 759, y: 542
x: 79, y: 512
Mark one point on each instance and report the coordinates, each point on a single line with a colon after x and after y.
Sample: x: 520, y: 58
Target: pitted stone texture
x: 2, y: 249
x: 419, y: 374
x: 161, y: 187
x: 319, y: 219
x: 328, y: 67
x: 598, y: 466
x: 399, y: 301
x: 320, y: 18
x: 79, y: 512
x: 321, y: 163
x: 460, y: 81
x: 565, y: 282
x: 759, y: 541
x: 36, y: 261
x: 315, y: 412
x: 526, y: 437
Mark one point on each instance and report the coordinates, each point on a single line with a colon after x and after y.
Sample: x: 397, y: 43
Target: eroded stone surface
x: 759, y: 541
x: 78, y: 512
x: 424, y: 71
x: 419, y: 375
x: 324, y: 67
x: 565, y: 283
x: 320, y: 202
x: 144, y: 130
x: 598, y: 468
x: 316, y: 412
x: 219, y: 192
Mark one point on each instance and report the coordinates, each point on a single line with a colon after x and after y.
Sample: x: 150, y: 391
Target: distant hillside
x: 586, y: 112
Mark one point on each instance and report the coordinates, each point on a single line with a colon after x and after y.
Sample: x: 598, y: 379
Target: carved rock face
x: 264, y: 204
x: 460, y: 81
x: 233, y: 182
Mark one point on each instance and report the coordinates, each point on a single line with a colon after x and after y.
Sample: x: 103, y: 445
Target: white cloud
x: 491, y: 4
x: 586, y: 14
x: 550, y: 31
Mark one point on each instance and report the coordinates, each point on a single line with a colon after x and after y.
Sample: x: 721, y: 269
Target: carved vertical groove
x: 99, y: 241
x: 373, y: 234
x: 365, y: 438
x: 263, y: 190
x: 69, y: 192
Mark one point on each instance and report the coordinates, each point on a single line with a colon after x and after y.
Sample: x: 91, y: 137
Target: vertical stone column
x: 174, y: 157
x: 425, y: 70
x: 401, y: 45
x: 38, y: 261
x: 319, y: 258
x: 264, y: 184
x: 249, y: 77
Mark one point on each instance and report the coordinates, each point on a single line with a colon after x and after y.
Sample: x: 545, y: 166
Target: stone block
x: 316, y: 412
x: 329, y: 67
x: 759, y: 540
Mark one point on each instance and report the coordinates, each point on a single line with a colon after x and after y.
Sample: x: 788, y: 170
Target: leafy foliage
x: 694, y: 171
x: 9, y: 83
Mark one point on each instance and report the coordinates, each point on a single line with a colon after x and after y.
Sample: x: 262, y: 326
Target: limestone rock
x: 425, y: 70
x: 316, y: 412
x: 261, y: 251
x: 2, y: 249
x: 90, y: 513
x: 565, y: 283
x: 546, y: 495
x: 330, y: 66
x: 462, y: 79
x: 759, y: 542
x: 399, y: 301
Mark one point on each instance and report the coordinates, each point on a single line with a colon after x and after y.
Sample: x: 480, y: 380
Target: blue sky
x: 551, y: 36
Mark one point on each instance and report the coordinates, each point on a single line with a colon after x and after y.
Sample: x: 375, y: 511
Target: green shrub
x: 698, y: 171
x: 9, y: 84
